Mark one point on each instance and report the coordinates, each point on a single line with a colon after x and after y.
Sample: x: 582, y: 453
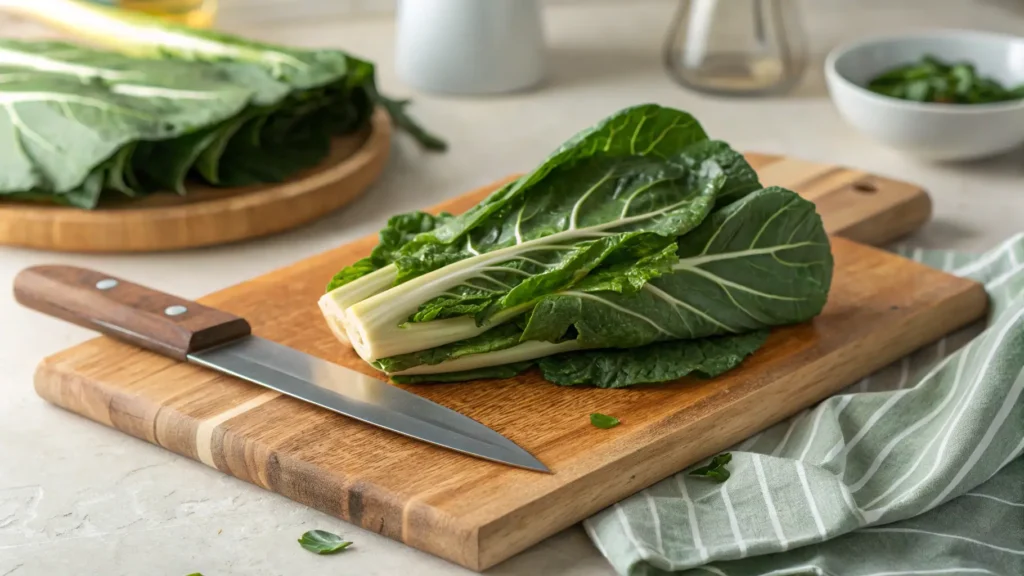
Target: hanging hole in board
x: 865, y: 187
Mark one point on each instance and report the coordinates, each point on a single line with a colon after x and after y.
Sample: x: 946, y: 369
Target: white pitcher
x: 469, y: 46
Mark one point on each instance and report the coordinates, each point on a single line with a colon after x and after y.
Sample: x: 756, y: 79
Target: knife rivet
x: 175, y: 310
x: 106, y: 284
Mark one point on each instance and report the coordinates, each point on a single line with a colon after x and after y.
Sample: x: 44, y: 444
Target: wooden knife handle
x: 135, y: 314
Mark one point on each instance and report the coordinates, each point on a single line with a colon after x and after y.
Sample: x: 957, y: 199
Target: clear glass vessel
x: 737, y: 47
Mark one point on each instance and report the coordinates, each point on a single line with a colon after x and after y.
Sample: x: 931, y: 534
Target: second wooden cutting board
x: 477, y: 513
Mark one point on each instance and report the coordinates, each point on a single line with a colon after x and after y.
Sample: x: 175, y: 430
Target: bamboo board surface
x: 477, y: 513
x: 206, y: 215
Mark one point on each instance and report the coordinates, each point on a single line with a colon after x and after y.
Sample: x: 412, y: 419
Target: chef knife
x: 191, y: 332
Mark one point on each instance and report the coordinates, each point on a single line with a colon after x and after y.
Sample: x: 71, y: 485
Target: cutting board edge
x: 903, y: 217
x: 967, y: 306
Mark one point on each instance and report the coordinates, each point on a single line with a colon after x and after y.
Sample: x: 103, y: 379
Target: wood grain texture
x: 473, y: 512
x: 206, y: 215
x: 156, y: 321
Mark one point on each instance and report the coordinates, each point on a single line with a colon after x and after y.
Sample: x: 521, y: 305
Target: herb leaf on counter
x: 323, y: 542
x: 659, y: 362
x: 716, y: 469
x: 603, y: 421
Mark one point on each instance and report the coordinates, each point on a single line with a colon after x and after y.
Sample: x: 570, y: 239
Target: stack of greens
x: 932, y: 80
x: 168, y: 103
x: 639, y: 251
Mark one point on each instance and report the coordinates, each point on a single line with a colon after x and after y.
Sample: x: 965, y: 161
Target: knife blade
x: 188, y: 331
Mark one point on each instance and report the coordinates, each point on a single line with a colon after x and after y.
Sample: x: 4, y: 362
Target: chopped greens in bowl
x: 933, y: 80
x: 938, y: 95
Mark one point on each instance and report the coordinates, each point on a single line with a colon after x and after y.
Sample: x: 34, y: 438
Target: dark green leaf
x: 165, y: 165
x: 323, y: 542
x: 401, y: 229
x: 59, y: 126
x: 716, y: 469
x: 659, y: 362
x: 401, y: 119
x: 762, y: 261
x: 919, y: 90
x: 603, y: 421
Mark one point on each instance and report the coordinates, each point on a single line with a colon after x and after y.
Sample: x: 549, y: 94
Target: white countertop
x: 79, y: 498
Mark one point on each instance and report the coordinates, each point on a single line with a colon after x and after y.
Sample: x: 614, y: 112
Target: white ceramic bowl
x: 927, y: 130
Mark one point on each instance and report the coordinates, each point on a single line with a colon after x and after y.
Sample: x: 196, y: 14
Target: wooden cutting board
x: 206, y: 215
x: 477, y: 513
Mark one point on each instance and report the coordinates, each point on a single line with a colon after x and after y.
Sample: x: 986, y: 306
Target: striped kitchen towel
x: 915, y: 470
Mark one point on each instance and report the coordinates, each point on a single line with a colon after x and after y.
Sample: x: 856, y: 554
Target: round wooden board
x: 206, y: 216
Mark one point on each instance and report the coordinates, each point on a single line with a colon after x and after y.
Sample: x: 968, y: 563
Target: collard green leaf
x: 611, y: 162
x: 715, y: 470
x: 272, y: 71
x: 64, y: 109
x: 762, y: 261
x: 578, y: 218
x: 401, y: 229
x: 604, y: 368
x: 164, y: 165
x: 117, y: 169
x: 740, y: 177
x: 323, y: 542
x: 603, y: 421
x: 645, y: 131
x: 658, y: 362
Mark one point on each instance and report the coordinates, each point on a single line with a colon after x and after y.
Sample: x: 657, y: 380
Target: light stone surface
x: 78, y: 498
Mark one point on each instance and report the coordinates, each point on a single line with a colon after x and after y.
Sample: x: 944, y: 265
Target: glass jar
x: 737, y: 47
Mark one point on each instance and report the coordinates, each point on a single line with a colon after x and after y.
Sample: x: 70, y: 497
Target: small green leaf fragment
x: 603, y: 421
x: 715, y: 470
x: 323, y: 542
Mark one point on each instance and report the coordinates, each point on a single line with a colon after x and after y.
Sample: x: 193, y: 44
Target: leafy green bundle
x: 932, y: 80
x: 171, y: 102
x: 639, y: 251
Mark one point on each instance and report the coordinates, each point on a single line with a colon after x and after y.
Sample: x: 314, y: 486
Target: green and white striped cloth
x: 915, y: 470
